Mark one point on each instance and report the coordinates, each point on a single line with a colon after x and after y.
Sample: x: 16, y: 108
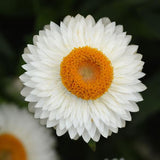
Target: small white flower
x: 23, y: 138
x: 83, y: 77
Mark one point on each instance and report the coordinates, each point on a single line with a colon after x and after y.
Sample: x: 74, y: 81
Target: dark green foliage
x: 21, y: 19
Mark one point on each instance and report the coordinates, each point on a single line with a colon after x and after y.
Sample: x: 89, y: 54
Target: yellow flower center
x: 86, y: 72
x: 11, y: 148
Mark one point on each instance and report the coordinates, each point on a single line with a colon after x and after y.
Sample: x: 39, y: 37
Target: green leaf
x: 44, y: 17
x: 92, y: 145
x: 5, y: 47
x: 152, y: 21
x: 7, y: 56
x: 15, y: 7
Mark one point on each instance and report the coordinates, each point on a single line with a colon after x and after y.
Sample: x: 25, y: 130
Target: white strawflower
x: 23, y: 138
x: 83, y: 77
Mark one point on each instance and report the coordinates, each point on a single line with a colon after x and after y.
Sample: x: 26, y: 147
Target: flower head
x: 23, y: 138
x: 83, y: 77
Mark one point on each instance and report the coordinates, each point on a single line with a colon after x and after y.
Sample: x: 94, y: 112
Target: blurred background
x: 21, y: 19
